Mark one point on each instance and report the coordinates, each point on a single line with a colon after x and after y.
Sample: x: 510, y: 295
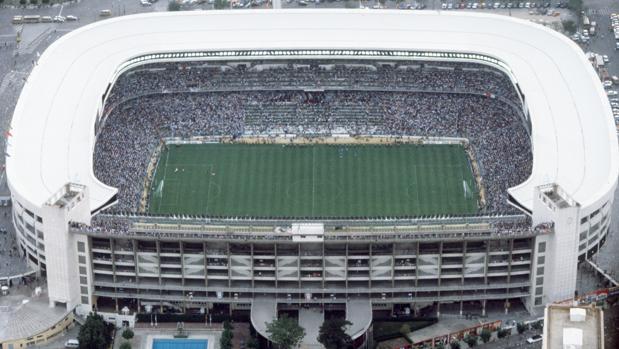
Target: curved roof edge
x: 573, y: 134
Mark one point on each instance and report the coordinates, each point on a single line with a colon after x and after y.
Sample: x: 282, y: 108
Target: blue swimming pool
x: 180, y: 344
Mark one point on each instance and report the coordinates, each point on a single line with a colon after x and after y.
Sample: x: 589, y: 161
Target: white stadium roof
x: 573, y: 134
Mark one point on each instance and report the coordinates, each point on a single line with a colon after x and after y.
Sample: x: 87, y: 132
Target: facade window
x: 39, y: 219
x: 539, y: 281
x: 584, y: 220
x: 541, y: 248
x: 81, y: 247
x: 538, y: 300
x: 583, y: 235
x: 81, y: 259
x: 538, y: 291
x: 85, y: 300
x: 84, y: 290
x: 540, y: 270
x: 541, y: 260
x: 82, y: 270
x: 83, y: 280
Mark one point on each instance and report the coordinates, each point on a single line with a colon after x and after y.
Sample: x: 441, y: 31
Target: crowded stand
x: 313, y: 99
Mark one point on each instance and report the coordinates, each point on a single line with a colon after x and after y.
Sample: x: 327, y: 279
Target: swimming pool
x: 180, y: 344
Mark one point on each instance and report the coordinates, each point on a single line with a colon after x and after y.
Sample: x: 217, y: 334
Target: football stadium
x: 369, y: 163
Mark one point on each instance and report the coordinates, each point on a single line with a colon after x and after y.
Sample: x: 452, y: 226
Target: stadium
x: 360, y: 162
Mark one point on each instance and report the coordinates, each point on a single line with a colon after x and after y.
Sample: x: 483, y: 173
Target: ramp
x: 263, y: 310
x: 359, y: 312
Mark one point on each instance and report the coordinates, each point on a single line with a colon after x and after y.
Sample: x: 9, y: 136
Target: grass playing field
x: 313, y: 180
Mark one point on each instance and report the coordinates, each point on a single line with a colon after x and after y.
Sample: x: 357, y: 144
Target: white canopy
x: 574, y: 141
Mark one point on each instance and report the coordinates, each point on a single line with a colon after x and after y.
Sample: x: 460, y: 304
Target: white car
x: 612, y: 93
x: 71, y: 18
x: 605, y: 58
x: 72, y: 343
x: 608, y: 84
x: 59, y: 19
x: 534, y: 339
x: 145, y: 3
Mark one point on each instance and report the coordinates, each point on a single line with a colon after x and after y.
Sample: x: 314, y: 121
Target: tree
x: 34, y: 2
x: 521, y: 327
x: 225, y: 342
x: 285, y: 332
x: 125, y: 345
x: 45, y: 1
x: 569, y: 26
x: 127, y: 334
x: 502, y: 333
x: 485, y: 335
x: 174, y: 6
x: 470, y: 340
x: 440, y: 345
x: 332, y: 334
x: 95, y: 333
x: 405, y: 329
x: 454, y: 344
x: 22, y: 2
x: 221, y: 4
x: 537, y: 325
x: 252, y: 343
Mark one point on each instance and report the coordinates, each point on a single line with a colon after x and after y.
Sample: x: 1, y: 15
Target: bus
x: 32, y: 19
x: 17, y: 20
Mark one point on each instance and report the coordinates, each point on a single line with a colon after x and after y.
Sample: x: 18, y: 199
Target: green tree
x: 569, y: 26
x: 332, y: 334
x: 125, y: 345
x: 22, y: 2
x: 485, y: 335
x: 127, y: 334
x: 225, y: 342
x: 174, y: 6
x: 405, y: 329
x: 440, y: 345
x: 45, y: 1
x: 285, y: 332
x: 521, y: 327
x: 470, y: 340
x: 95, y: 333
x: 221, y: 4
x: 34, y: 2
x: 252, y: 343
x: 537, y: 325
x: 502, y: 333
x: 454, y: 344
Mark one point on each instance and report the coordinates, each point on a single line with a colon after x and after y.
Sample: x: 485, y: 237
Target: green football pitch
x: 312, y: 181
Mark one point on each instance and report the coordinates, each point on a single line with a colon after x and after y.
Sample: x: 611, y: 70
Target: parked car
x: 71, y: 18
x: 534, y: 339
x: 72, y: 343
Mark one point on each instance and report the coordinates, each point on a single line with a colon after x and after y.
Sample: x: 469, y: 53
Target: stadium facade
x: 187, y: 262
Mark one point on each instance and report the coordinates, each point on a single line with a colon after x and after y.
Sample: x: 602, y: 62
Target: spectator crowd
x: 313, y: 98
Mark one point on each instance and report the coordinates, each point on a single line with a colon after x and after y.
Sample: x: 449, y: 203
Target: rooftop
x: 560, y: 332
